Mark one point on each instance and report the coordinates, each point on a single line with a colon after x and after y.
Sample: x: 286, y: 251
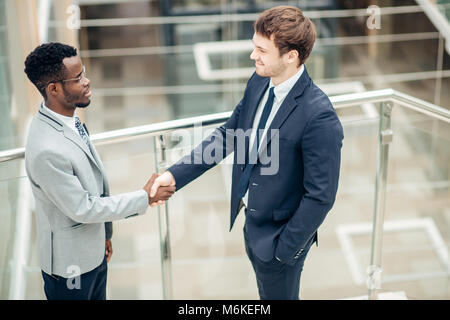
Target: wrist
x: 172, y: 178
x: 147, y: 192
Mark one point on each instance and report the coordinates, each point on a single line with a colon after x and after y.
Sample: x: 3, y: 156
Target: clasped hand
x: 160, y: 188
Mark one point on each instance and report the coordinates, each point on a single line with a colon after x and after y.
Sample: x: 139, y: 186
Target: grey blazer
x: 71, y: 192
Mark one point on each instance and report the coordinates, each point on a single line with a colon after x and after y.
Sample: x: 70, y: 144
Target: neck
x: 55, y: 107
x: 289, y: 72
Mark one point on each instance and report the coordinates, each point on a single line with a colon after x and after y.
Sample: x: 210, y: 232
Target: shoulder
x: 313, y: 102
x: 44, y: 141
x: 320, y: 110
x: 317, y: 98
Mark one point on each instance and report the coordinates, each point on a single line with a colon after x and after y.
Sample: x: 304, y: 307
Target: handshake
x: 160, y: 188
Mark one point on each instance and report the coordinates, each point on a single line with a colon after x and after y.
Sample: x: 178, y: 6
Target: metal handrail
x: 340, y: 101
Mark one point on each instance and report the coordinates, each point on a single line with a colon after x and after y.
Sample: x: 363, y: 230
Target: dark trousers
x: 277, y: 280
x: 90, y: 285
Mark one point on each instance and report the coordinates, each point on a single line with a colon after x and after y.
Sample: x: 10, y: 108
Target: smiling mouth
x: 88, y: 93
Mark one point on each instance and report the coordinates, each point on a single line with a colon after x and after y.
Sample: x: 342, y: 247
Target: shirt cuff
x: 143, y: 201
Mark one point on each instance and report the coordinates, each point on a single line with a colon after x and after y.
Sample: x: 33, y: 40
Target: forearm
x: 93, y: 209
x: 205, y: 156
x: 210, y: 152
x: 67, y: 193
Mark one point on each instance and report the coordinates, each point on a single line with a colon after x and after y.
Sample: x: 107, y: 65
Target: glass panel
x: 135, y: 268
x: 416, y: 237
x: 204, y: 252
x: 134, y: 271
x: 12, y: 169
x: 13, y: 200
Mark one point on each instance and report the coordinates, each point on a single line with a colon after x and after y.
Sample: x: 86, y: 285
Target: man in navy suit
x: 288, y: 116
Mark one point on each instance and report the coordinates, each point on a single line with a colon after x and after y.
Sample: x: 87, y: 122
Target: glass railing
x: 416, y: 237
x: 15, y: 225
x: 387, y: 235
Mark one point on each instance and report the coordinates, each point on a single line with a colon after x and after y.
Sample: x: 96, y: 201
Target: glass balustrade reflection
x: 202, y: 246
x: 209, y: 262
x: 416, y: 234
x: 15, y: 232
x: 135, y: 267
x: 201, y: 259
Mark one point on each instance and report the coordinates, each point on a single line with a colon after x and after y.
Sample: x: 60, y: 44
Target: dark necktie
x: 81, y: 131
x: 245, y: 178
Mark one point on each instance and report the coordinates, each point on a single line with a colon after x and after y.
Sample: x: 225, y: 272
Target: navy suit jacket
x: 284, y: 209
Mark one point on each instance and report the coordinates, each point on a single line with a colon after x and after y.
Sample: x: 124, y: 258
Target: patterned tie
x: 245, y: 178
x: 81, y: 131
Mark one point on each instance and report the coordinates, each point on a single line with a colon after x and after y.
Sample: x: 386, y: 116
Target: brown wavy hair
x: 290, y: 28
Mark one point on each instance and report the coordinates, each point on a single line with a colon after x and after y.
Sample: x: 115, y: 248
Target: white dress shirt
x: 280, y: 91
x: 69, y: 121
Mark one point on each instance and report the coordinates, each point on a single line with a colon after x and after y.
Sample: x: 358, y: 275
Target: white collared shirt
x: 280, y: 91
x: 69, y: 121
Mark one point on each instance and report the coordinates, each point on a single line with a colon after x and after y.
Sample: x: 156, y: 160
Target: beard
x: 271, y: 70
x: 74, y: 100
x: 83, y: 105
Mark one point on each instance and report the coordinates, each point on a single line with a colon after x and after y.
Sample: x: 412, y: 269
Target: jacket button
x: 254, y: 184
x: 252, y: 210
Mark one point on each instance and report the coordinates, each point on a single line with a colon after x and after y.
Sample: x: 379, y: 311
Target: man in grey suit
x: 73, y: 207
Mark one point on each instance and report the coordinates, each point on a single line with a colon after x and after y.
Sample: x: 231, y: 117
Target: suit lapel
x: 68, y: 133
x: 254, y: 101
x: 287, y: 107
x: 102, y: 170
x: 98, y: 161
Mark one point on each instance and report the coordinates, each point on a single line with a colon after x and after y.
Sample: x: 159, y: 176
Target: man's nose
x: 253, y: 55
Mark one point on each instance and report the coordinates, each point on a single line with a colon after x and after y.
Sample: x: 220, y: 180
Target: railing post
x: 385, y: 138
x: 164, y: 230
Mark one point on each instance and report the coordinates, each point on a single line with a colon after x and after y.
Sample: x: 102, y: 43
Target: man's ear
x: 292, y: 56
x: 51, y: 89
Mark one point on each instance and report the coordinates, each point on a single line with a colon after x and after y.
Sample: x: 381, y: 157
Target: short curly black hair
x: 45, y: 64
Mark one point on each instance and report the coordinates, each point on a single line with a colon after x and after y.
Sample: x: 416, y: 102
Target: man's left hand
x: 108, y: 250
